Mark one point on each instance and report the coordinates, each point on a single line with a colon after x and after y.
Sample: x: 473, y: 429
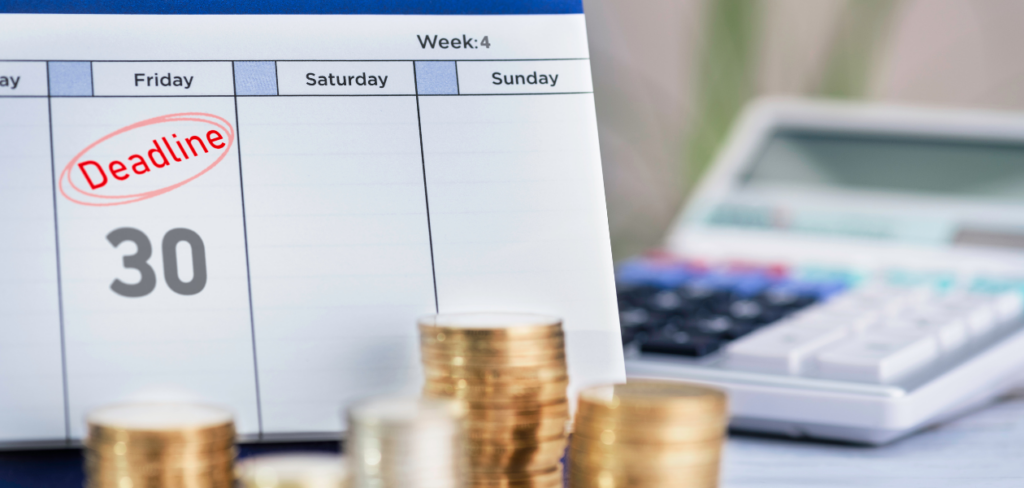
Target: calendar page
x: 251, y: 205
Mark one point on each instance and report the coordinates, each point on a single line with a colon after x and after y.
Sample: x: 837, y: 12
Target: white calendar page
x: 253, y: 210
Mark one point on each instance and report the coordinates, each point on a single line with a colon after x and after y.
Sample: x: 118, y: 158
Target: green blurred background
x: 671, y: 75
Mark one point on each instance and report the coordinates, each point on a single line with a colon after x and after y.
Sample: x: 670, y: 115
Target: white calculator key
x: 877, y: 357
x: 780, y: 349
x: 952, y: 334
x: 824, y: 319
x: 1009, y: 305
x: 980, y: 318
x: 875, y: 305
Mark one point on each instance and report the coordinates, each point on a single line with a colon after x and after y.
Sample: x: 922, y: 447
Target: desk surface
x: 985, y: 448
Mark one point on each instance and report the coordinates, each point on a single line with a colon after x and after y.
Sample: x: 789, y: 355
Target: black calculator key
x: 667, y: 301
x: 634, y: 318
x: 714, y: 325
x: 748, y: 310
x: 681, y: 343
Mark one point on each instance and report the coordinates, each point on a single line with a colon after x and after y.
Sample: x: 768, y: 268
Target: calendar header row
x: 291, y: 78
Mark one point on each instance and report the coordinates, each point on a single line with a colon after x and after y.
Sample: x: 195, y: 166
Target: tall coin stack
x: 294, y: 470
x: 648, y: 434
x: 510, y: 371
x: 406, y: 442
x: 160, y: 446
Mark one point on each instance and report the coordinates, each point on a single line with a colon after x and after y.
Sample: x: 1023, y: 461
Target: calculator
x: 846, y: 272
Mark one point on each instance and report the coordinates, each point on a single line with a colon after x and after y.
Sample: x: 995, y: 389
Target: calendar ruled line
x: 60, y: 289
x: 426, y: 195
x: 248, y: 272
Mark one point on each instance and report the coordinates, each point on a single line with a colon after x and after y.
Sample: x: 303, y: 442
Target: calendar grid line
x: 60, y: 290
x: 248, y: 272
x: 426, y: 195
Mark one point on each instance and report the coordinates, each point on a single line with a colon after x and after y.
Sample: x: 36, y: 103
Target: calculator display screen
x: 942, y: 167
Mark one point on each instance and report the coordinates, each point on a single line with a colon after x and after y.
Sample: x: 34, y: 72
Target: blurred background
x: 670, y: 76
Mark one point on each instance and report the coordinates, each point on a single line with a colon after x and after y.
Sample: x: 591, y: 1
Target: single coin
x: 542, y: 455
x: 507, y: 431
x: 441, y: 343
x: 296, y: 470
x: 548, y: 355
x: 646, y: 460
x: 651, y: 399
x: 705, y: 477
x: 544, y: 392
x: 548, y: 477
x: 399, y: 442
x: 495, y: 361
x: 524, y: 414
x: 90, y: 457
x: 609, y: 446
x: 478, y: 326
x: 641, y: 432
x: 495, y: 384
x: 160, y: 423
x: 542, y: 372
x: 479, y: 445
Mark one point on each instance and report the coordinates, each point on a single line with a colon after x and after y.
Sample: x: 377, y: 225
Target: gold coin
x: 542, y: 455
x: 639, y: 432
x: 651, y: 399
x: 160, y: 423
x: 507, y: 431
x: 544, y: 392
x: 644, y: 460
x: 496, y: 361
x: 475, y: 445
x: 490, y: 326
x: 548, y: 477
x: 537, y: 356
x: 494, y: 384
x: 183, y: 463
x: 525, y: 414
x: 610, y: 446
x: 225, y: 473
x: 542, y: 372
x: 705, y: 476
x: 442, y: 343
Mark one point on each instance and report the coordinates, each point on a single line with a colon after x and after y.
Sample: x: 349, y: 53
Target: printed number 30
x: 140, y: 261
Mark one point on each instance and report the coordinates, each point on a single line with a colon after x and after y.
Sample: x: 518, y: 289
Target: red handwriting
x: 164, y: 151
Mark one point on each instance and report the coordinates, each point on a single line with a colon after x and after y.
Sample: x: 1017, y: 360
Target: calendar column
x: 31, y: 373
x: 149, y: 205
x: 517, y: 198
x: 339, y: 244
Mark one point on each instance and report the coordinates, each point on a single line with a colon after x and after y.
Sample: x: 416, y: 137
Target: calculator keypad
x: 875, y: 334
x: 692, y: 311
x: 763, y: 321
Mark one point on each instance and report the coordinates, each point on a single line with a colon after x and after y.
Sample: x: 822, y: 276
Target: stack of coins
x: 160, y: 446
x: 648, y: 434
x: 296, y: 470
x: 510, y: 371
x: 406, y: 442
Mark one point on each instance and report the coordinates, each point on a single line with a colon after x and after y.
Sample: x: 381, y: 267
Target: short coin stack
x: 647, y: 434
x: 296, y: 470
x: 510, y: 371
x: 160, y: 446
x: 406, y: 442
